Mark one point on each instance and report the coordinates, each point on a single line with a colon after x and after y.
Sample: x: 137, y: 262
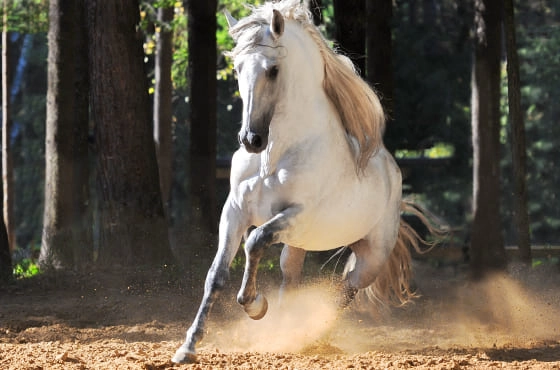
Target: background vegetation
x: 432, y: 54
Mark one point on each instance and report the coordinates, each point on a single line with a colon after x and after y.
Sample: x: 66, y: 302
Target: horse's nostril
x: 255, y: 141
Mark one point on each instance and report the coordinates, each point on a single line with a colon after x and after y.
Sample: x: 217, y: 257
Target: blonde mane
x: 359, y: 108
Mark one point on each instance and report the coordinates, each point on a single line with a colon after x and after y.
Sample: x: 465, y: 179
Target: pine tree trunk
x: 6, y: 271
x: 487, y: 245
x: 66, y: 240
x: 349, y: 18
x: 316, y: 7
x: 162, y: 104
x: 132, y: 225
x: 7, y: 162
x: 379, y: 70
x: 203, y: 120
x: 518, y: 147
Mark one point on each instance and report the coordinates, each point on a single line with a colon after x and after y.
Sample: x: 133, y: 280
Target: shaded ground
x: 136, y: 320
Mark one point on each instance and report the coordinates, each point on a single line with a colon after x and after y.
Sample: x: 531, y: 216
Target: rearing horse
x: 311, y: 171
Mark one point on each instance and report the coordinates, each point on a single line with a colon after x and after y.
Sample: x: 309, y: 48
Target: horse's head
x: 259, y: 74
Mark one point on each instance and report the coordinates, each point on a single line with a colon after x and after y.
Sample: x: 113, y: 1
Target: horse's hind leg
x: 291, y: 264
x: 231, y: 230
x: 364, y: 264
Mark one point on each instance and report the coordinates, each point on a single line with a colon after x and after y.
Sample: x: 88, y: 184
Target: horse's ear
x: 277, y: 24
x: 230, y: 20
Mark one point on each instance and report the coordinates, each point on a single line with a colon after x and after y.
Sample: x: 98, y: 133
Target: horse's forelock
x: 248, y: 32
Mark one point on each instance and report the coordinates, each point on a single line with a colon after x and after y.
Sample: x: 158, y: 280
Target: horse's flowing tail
x: 392, y: 285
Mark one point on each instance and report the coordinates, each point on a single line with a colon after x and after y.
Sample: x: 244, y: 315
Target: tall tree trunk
x: 132, y: 223
x: 66, y: 240
x: 349, y: 18
x: 83, y: 209
x: 5, y: 251
x: 487, y: 244
x: 6, y: 270
x: 162, y: 104
x: 315, y: 7
x: 202, y: 78
x: 7, y: 161
x: 518, y: 147
x: 379, y: 49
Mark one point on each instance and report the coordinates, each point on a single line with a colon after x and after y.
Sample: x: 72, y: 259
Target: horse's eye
x: 272, y: 72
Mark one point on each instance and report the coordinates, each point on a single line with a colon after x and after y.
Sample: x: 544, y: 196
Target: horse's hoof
x: 184, y: 356
x: 258, y: 308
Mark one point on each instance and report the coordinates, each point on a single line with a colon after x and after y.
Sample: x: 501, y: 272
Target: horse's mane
x: 357, y: 104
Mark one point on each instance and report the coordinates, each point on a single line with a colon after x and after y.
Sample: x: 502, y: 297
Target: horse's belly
x: 336, y: 224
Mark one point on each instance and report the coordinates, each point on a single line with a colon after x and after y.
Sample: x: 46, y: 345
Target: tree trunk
x: 349, y: 18
x: 379, y: 69
x: 132, y: 225
x: 66, y: 240
x: 162, y: 104
x: 7, y: 161
x: 315, y: 7
x: 487, y: 245
x: 202, y: 78
x: 6, y: 269
x: 518, y: 148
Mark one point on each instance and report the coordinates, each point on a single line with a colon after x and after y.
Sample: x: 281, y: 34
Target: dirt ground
x: 136, y: 320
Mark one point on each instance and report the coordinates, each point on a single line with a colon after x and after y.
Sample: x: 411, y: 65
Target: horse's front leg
x: 271, y: 232
x: 232, y: 227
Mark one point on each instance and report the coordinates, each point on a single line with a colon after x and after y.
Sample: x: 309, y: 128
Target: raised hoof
x: 184, y: 356
x: 258, y: 308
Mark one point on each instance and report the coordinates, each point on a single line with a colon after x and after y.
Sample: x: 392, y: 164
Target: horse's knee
x: 258, y: 239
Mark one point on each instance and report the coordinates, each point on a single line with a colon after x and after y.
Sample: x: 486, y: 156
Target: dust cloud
x: 500, y: 311
x: 302, y: 318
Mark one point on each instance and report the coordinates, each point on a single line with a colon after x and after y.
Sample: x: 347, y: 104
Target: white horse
x: 311, y: 172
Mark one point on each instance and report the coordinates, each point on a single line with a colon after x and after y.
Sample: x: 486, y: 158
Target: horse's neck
x: 309, y: 121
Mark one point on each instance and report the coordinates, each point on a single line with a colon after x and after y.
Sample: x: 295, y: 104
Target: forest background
x: 429, y: 128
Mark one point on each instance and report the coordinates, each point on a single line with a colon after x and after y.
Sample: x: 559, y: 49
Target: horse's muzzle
x: 253, y: 143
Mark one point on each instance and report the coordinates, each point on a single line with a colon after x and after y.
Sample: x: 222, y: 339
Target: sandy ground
x: 136, y: 320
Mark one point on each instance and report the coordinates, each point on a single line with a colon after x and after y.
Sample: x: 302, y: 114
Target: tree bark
x: 6, y: 269
x: 349, y: 18
x: 7, y: 161
x: 132, y: 224
x: 487, y: 245
x: 518, y: 147
x: 203, y: 119
x: 66, y: 240
x: 379, y: 49
x: 162, y: 104
x: 6, y: 272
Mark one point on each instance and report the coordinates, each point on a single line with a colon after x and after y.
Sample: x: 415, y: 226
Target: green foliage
x: 438, y: 150
x: 27, y: 16
x: 26, y: 268
x: 541, y: 262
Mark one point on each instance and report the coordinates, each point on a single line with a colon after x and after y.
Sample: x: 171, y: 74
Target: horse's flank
x: 359, y: 108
